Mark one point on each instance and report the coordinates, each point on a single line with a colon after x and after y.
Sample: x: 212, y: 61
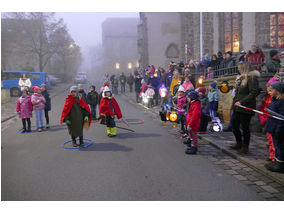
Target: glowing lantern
x: 173, y: 116
x: 168, y: 116
x: 155, y: 74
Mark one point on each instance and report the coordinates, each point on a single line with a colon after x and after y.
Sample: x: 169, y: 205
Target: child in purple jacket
x: 24, y: 109
x: 38, y: 102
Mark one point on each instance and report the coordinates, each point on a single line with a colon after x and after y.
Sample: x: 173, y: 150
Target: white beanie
x: 181, y: 88
x: 106, y: 89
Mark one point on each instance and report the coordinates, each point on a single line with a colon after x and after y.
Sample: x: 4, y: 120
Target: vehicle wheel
x: 15, y: 92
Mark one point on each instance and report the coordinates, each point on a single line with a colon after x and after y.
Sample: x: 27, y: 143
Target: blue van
x: 10, y: 80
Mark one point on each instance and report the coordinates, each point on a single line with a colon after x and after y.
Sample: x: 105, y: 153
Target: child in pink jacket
x: 24, y: 109
x: 38, y: 102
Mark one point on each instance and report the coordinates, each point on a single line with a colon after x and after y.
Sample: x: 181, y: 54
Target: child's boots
x: 191, y: 150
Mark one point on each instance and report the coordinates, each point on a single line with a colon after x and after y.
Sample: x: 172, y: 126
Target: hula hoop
x: 140, y: 121
x: 79, y: 147
x: 19, y: 131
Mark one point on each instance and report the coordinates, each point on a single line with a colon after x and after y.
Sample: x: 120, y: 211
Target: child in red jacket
x: 193, y: 121
x: 107, y: 110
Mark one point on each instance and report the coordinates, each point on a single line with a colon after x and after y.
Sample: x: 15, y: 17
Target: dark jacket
x: 214, y: 64
x: 230, y: 62
x: 273, y: 65
x: 137, y: 82
x: 92, y: 98
x: 155, y: 82
x: 45, y: 94
x: 246, y: 92
x: 83, y: 95
x: 204, y: 104
x: 275, y: 126
x: 122, y: 79
x: 130, y: 80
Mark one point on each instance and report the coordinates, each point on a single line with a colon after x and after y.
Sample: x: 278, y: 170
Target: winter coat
x: 130, y: 80
x: 214, y: 64
x: 174, y: 83
x: 181, y: 103
x: 75, y: 110
x: 25, y: 82
x: 169, y: 80
x: 246, y: 92
x: 187, y: 86
x: 230, y: 62
x: 122, y: 79
x: 264, y: 104
x: 213, y: 95
x: 273, y: 65
x: 204, y: 104
x: 155, y: 82
x: 275, y: 126
x: 24, y: 107
x: 137, y: 82
x: 257, y: 57
x: 109, y: 107
x: 150, y: 92
x: 193, y: 116
x: 92, y: 98
x: 38, y: 101
x: 83, y: 95
x: 45, y: 94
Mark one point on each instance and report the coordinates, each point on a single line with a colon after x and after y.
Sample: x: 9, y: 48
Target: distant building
x: 119, y: 37
x: 176, y: 36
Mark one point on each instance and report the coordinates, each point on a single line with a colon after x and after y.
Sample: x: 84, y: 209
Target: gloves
x: 68, y: 122
x: 86, y: 118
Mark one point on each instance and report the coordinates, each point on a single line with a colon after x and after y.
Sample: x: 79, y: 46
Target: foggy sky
x: 85, y: 28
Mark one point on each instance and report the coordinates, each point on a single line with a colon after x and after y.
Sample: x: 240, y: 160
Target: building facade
x: 119, y: 37
x: 195, y: 34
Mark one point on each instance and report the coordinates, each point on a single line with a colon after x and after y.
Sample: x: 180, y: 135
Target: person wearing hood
x: 276, y: 127
x: 108, y: 109
x: 24, y: 109
x: 273, y: 63
x: 82, y: 93
x: 47, y: 107
x: 76, y: 114
x: 245, y: 94
x: 193, y: 121
x: 255, y: 56
x: 93, y: 98
x: 38, y: 102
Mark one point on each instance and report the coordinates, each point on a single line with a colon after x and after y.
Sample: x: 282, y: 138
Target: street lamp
x: 71, y: 46
x: 129, y: 65
x: 117, y: 66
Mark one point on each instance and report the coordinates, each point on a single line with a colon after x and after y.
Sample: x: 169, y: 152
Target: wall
x: 248, y: 32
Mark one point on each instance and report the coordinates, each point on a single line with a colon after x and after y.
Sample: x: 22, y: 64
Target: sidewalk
x: 258, y: 149
x: 8, y: 110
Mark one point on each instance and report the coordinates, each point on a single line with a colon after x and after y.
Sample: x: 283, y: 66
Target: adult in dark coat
x: 273, y: 63
x: 82, y: 93
x: 130, y: 81
x: 47, y: 107
x: 246, y: 93
x: 92, y: 99
x: 137, y: 84
x: 122, y: 79
x: 155, y: 82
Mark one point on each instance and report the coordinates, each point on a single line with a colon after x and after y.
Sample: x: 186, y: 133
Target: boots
x: 74, y: 142
x: 275, y: 166
x: 243, y: 150
x: 188, y: 142
x: 81, y: 141
x: 113, y: 131
x: 191, y: 150
x: 236, y: 146
x: 109, y: 131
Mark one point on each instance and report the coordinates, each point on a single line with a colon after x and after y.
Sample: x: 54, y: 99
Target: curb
x: 231, y: 154
x: 13, y: 116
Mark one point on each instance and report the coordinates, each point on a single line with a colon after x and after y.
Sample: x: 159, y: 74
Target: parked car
x: 53, y: 80
x: 79, y: 80
x: 10, y: 80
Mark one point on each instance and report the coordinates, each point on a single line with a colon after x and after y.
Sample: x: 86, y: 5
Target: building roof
x: 120, y: 27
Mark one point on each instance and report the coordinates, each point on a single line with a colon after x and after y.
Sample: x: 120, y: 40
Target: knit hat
x: 271, y: 80
x: 43, y: 85
x: 213, y: 84
x: 279, y: 86
x: 181, y: 89
x: 74, y: 88
x: 273, y: 53
x: 202, y: 90
x: 94, y: 87
x: 193, y: 95
x: 36, y: 89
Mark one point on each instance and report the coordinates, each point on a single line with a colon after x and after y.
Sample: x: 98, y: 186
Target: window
x: 129, y: 65
x: 232, y: 32
x: 172, y: 51
x: 277, y: 30
x: 11, y: 76
x: 117, y: 66
x: 35, y: 76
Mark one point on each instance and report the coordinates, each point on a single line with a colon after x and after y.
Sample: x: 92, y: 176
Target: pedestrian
x: 181, y: 105
x: 82, y: 93
x: 25, y: 83
x: 115, y: 85
x: 154, y: 80
x: 108, y: 109
x: 204, y: 109
x: 122, y: 80
x: 213, y: 98
x: 76, y: 114
x: 193, y: 121
x: 176, y: 78
x: 242, y: 57
x: 214, y: 63
x: 47, y: 107
x: 266, y: 101
x: 24, y: 109
x: 276, y: 127
x: 130, y: 81
x: 210, y: 73
x: 246, y: 93
x: 137, y: 85
x: 38, y: 102
x: 273, y: 63
x: 93, y: 98
x: 255, y: 57
x: 230, y: 61
x: 187, y: 84
x: 149, y: 94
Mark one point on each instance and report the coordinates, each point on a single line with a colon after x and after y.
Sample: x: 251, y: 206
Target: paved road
x: 149, y: 164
